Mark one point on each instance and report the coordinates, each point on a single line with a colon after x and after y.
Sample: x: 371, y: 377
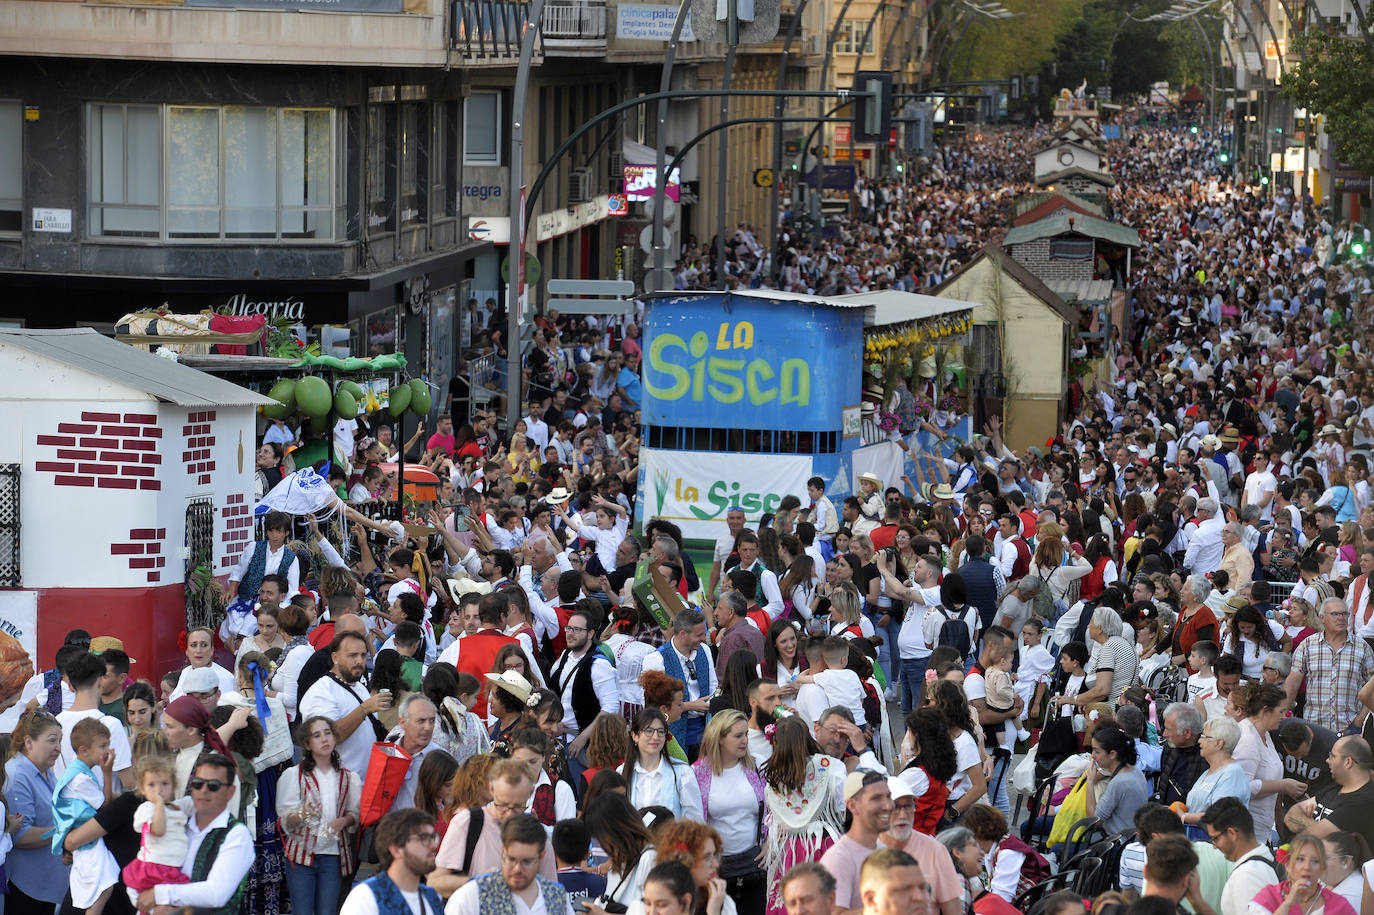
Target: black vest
x: 585, y: 704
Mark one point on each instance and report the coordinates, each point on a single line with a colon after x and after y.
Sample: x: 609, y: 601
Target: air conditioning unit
x: 616, y: 169
x: 581, y: 186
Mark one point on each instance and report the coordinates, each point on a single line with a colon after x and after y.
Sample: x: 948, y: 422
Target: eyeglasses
x: 213, y: 785
x: 654, y: 732
x: 425, y: 838
x: 505, y: 808
x: 1272, y: 670
x: 576, y: 629
x: 526, y: 864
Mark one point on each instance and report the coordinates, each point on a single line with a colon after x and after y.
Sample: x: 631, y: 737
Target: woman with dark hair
x: 803, y: 802
x: 1099, y: 553
x: 797, y: 587
x: 434, y: 787
x: 741, y: 669
x: 140, y: 709
x: 318, y: 804
x: 1250, y: 637
x: 386, y: 675
x: 618, y: 828
x: 607, y: 781
x: 1113, y: 760
x: 269, y: 469
x: 652, y: 776
x: 969, y: 785
x: 456, y: 729
x: 783, y: 659
x: 465, y: 444
x: 1263, y: 705
x: 670, y: 889
x: 933, y: 762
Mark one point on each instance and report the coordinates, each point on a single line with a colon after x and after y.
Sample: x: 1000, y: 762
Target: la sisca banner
x: 695, y: 489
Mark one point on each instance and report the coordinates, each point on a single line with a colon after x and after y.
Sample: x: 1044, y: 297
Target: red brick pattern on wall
x: 144, y: 549
x: 238, y: 528
x: 105, y: 451
x: 198, y: 442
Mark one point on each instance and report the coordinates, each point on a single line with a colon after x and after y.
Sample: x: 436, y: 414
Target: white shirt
x: 734, y: 810
x: 603, y: 683
x: 119, y: 740
x: 1205, y: 549
x: 465, y: 901
x: 288, y: 675
x: 607, y: 541
x: 693, y: 690
x: 226, y: 872
x: 270, y: 566
x: 1256, y: 485
x: 564, y: 804
x: 328, y: 698
x: 33, y: 689
x: 1246, y: 881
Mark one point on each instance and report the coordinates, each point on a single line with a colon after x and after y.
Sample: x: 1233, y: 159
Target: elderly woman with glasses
x: 1224, y: 776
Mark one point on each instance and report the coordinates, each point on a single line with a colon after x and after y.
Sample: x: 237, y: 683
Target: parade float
x: 748, y: 394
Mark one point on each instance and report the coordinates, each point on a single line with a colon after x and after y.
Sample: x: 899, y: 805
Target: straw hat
x: 871, y: 477
x: 513, y: 683
x: 457, y: 587
x: 558, y: 496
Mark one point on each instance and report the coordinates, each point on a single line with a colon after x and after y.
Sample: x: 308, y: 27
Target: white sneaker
x: 891, y: 694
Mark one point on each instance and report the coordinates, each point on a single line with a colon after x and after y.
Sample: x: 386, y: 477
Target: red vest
x: 760, y: 617
x: 558, y: 640
x: 477, y: 655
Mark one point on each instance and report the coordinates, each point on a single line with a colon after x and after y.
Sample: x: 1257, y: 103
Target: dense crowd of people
x: 1129, y: 668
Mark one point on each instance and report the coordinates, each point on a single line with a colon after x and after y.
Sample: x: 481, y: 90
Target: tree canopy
x: 1335, y: 78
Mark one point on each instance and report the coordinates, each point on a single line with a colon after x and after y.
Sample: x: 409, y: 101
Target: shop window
x: 412, y: 193
x: 443, y: 181
x: 11, y: 167
x: 231, y: 172
x: 482, y: 128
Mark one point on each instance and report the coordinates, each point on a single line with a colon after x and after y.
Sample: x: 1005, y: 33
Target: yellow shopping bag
x: 1074, y: 808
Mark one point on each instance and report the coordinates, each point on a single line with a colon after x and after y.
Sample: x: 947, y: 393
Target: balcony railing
x: 575, y: 21
x: 489, y: 30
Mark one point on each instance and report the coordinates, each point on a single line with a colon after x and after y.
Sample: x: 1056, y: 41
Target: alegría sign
x: 290, y: 308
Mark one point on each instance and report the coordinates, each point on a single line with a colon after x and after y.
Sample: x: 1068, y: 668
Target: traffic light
x: 1223, y: 158
x: 1264, y: 180
x: 1357, y: 249
x: 900, y: 168
x: 1193, y: 129
x: 872, y: 106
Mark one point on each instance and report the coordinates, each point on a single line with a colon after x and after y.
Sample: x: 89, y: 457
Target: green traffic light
x: 1357, y: 248
x: 1193, y: 129
x: 900, y: 168
x: 1264, y: 180
x: 1224, y: 157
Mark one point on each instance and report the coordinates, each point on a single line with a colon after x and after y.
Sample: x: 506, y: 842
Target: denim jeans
x: 315, y: 889
x: 999, y: 778
x: 913, y: 682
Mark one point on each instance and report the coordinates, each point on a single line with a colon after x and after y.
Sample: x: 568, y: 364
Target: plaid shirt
x: 1334, y: 678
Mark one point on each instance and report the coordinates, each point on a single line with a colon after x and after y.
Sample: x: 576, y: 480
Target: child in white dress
x: 162, y: 820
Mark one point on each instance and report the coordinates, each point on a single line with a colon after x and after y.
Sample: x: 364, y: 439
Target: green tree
x: 1335, y: 78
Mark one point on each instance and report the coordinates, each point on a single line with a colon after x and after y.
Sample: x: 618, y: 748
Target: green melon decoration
x: 313, y: 396
x: 397, y: 399
x: 420, y: 401
x: 284, y: 393
x: 345, y: 404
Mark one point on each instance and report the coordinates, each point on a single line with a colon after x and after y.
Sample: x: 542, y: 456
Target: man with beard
x: 868, y: 801
x: 518, y: 884
x: 406, y: 844
x: 342, y: 697
x: 764, y: 697
x: 946, y: 887
x: 585, y: 678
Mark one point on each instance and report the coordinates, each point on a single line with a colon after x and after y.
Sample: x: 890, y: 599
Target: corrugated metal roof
x: 1058, y: 224
x: 1089, y: 292
x: 1055, y: 177
x: 892, y: 306
x: 86, y: 349
x: 888, y: 306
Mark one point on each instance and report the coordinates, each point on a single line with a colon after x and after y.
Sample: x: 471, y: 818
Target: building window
x: 230, y: 173
x: 125, y: 147
x: 1071, y: 249
x: 412, y: 193
x: 482, y: 128
x: 381, y: 169
x: 11, y: 167
x: 850, y: 34
x: 442, y: 173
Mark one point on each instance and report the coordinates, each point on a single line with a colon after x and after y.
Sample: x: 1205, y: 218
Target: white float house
x: 122, y: 474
